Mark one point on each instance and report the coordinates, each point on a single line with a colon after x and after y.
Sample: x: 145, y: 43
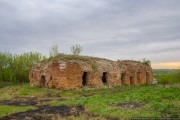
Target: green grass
x: 168, y: 78
x: 10, y: 92
x: 165, y: 71
x: 158, y: 101
x: 4, y: 84
x: 7, y: 110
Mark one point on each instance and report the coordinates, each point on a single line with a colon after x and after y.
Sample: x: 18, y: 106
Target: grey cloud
x: 112, y: 29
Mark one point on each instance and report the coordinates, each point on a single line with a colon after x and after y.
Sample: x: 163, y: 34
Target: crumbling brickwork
x: 77, y: 73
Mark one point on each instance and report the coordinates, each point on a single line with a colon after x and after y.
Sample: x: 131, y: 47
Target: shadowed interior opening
x: 42, y: 81
x: 139, y: 77
x: 123, y: 78
x: 85, y: 78
x: 147, y: 77
x: 104, y: 77
x: 131, y: 80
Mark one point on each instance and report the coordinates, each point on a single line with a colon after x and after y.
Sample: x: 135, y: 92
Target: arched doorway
x: 139, y: 78
x: 43, y: 81
x: 147, y: 77
x: 105, y: 78
x: 85, y: 78
x: 131, y: 80
x: 123, y: 78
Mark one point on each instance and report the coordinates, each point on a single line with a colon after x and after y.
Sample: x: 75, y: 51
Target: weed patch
x: 166, y: 110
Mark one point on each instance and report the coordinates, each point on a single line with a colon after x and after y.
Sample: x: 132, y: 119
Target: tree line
x: 15, y: 67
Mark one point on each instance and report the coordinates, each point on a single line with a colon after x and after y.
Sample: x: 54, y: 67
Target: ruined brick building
x: 74, y: 72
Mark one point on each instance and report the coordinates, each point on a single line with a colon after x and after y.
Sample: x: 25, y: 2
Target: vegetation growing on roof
x: 53, y: 51
x: 94, y: 66
x: 146, y: 62
x: 63, y: 56
x: 76, y: 49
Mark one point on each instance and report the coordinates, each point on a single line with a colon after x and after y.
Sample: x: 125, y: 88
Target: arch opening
x: 131, y: 80
x: 147, y: 77
x: 139, y: 78
x: 85, y: 78
x: 104, y: 78
x: 123, y: 78
x: 42, y: 81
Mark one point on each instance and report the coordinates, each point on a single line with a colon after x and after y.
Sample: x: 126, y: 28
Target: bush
x: 15, y: 68
x: 76, y: 49
x: 146, y: 62
x: 53, y: 51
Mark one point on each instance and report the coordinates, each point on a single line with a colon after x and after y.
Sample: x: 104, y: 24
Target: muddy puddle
x: 29, y: 101
x: 43, y: 112
x: 47, y: 113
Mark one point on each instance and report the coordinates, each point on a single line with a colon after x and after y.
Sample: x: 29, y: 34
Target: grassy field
x: 167, y: 76
x: 104, y: 103
x: 4, y: 84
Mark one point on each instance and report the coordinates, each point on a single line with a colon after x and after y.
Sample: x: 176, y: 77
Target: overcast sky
x: 113, y: 29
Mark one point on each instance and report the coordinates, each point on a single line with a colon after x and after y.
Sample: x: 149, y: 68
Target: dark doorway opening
x: 123, y: 78
x: 104, y: 77
x: 42, y: 81
x: 85, y: 78
x: 131, y: 80
x: 147, y: 77
x: 139, y: 77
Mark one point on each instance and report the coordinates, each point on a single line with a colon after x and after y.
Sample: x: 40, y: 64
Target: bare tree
x: 54, y: 50
x: 76, y: 49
